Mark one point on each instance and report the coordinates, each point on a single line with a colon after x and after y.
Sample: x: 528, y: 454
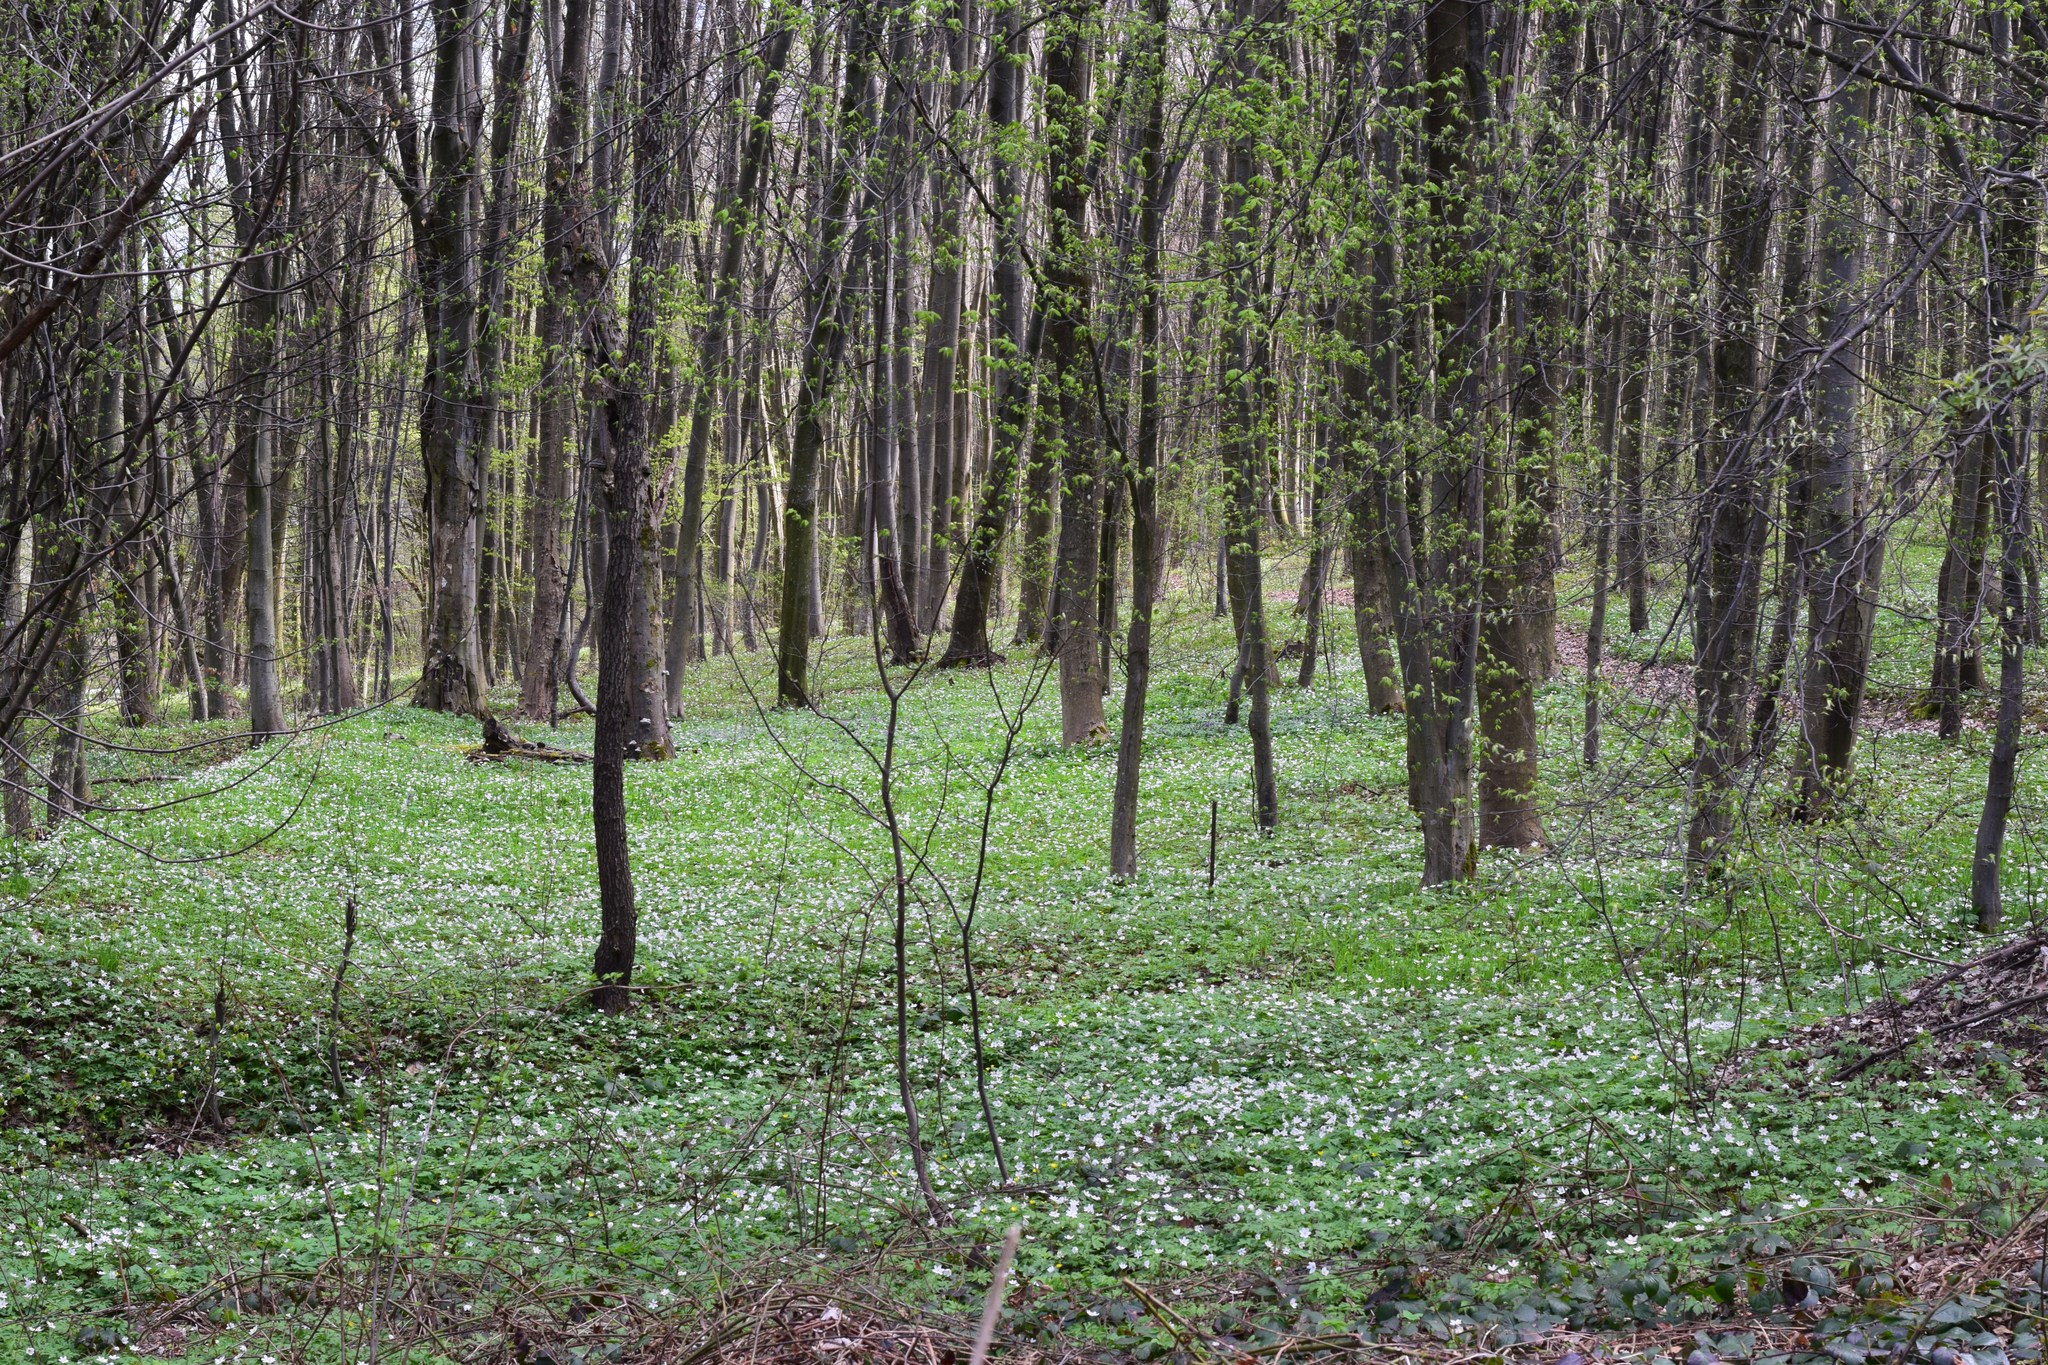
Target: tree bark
x: 1074, y: 442
x: 565, y: 227
x: 736, y: 232
x: 1843, y: 550
x: 2009, y: 289
x: 1732, y: 526
x: 1432, y: 559
x: 1011, y: 352
x: 1143, y: 474
x: 1248, y: 357
x: 824, y: 345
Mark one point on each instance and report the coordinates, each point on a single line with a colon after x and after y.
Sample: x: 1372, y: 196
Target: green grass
x: 1311, y: 1066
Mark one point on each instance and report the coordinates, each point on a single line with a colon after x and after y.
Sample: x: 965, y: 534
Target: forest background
x: 1368, y: 662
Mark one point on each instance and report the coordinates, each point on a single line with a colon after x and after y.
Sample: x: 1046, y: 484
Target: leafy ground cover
x: 1306, y: 1099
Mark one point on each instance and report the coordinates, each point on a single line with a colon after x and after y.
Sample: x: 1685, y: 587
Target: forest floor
x: 1303, y: 1109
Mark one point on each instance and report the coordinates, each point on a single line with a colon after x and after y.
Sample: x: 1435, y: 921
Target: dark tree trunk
x: 1431, y: 570
x: 1732, y: 524
x: 1959, y: 589
x: 1244, y: 465
x: 444, y: 207
x: 2009, y: 290
x: 565, y: 228
x: 741, y: 202
x: 882, y: 535
x: 1843, y: 550
x: 1144, y: 472
x: 631, y: 715
x: 1369, y: 378
x: 1010, y: 355
x: 824, y: 345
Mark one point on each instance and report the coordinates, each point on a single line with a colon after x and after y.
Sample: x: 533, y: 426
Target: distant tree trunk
x: 1010, y: 355
x: 1150, y: 60
x: 1315, y: 577
x: 1790, y: 430
x: 939, y: 426
x: 1600, y: 518
x: 1249, y: 359
x: 2009, y: 290
x: 266, y: 704
x: 882, y: 535
x: 134, y: 601
x: 1041, y: 492
x: 564, y: 230
x: 1368, y: 381
x: 1431, y: 556
x: 1843, y: 550
x: 207, y: 497
x: 740, y: 203
x: 1732, y: 524
x: 258, y: 313
x: 495, y: 564
x: 824, y: 345
x: 1959, y: 587
x: 1075, y: 441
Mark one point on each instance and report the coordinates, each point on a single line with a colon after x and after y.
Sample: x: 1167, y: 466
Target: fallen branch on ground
x: 501, y: 745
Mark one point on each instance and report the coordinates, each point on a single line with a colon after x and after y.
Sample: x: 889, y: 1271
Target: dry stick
x: 1995, y: 1012
x: 1186, y: 1335
x: 1212, y: 844
x: 348, y: 945
x: 992, y: 1306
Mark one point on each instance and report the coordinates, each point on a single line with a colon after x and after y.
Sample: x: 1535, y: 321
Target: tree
x: 1143, y: 470
x: 825, y: 309
x: 1731, y: 463
x: 1433, y: 511
x: 1246, y: 357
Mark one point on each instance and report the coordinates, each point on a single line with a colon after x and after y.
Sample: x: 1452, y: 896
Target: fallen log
x: 501, y: 745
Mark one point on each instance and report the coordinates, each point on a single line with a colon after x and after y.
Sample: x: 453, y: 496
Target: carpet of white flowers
x: 1307, y: 1062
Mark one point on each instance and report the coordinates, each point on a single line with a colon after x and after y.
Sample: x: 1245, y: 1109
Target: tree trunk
x: 1732, y: 524
x: 1843, y: 551
x: 741, y: 202
x: 825, y: 343
x: 445, y: 243
x: 1432, y: 560
x: 1249, y: 357
x: 1012, y: 348
x: 882, y: 534
x: 1074, y: 443
x: 2008, y: 291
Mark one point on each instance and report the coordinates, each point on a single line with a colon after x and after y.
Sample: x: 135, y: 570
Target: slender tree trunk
x: 1732, y: 524
x: 736, y: 234
x: 1432, y: 557
x: 1011, y: 351
x: 1959, y: 587
x: 1144, y: 472
x: 1843, y: 550
x: 2012, y: 250
x: 939, y: 427
x: 824, y: 345
x: 564, y: 230
x: 1249, y: 354
x: 882, y: 534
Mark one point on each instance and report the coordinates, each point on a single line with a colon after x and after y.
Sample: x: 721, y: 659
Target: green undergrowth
x: 1309, y: 1074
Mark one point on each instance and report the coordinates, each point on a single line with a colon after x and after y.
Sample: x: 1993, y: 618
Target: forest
x: 913, y: 682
